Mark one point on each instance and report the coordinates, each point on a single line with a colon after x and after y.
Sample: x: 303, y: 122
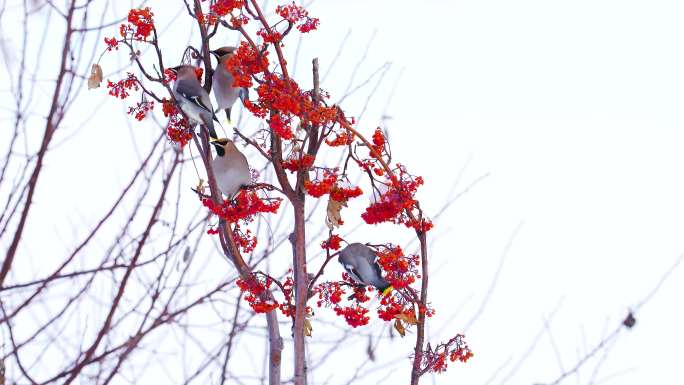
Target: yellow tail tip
x: 387, y: 290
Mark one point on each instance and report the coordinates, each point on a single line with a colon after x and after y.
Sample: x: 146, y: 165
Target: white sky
x: 574, y: 110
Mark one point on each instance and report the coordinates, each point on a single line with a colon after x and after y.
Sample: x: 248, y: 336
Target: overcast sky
x: 569, y: 113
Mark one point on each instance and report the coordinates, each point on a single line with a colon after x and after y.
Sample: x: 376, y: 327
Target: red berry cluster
x: 282, y: 100
x: 340, y: 139
x: 244, y: 207
x: 120, y: 89
x: 223, y: 7
x: 332, y: 243
x: 435, y: 360
x: 392, y: 306
x: 331, y: 294
x: 400, y: 270
x: 112, y: 43
x: 342, y: 194
x: 242, y: 210
x: 270, y: 35
x: 178, y: 128
x: 393, y: 205
x: 328, y: 184
x: 355, y: 315
x: 294, y: 163
x: 140, y: 25
x: 244, y: 239
x: 141, y: 109
x: 297, y: 14
x: 255, y: 287
x: 287, y: 307
x: 322, y: 186
x: 245, y: 63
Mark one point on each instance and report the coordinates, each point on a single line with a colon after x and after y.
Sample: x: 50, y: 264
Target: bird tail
x: 387, y: 290
x: 209, y: 123
x: 227, y: 110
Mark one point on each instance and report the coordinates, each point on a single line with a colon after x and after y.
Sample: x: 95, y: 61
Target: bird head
x: 183, y: 70
x: 223, y: 52
x: 222, y: 145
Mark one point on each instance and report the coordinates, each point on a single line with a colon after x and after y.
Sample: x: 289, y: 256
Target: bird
x: 231, y: 169
x: 360, y: 261
x: 192, y: 99
x: 222, y: 80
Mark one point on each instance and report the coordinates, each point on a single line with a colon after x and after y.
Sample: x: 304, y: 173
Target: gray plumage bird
x: 192, y: 99
x: 230, y: 167
x: 360, y: 261
x: 222, y: 82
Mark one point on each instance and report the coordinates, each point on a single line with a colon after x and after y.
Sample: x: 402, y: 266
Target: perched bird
x: 230, y: 167
x: 222, y: 82
x: 360, y: 261
x: 192, y: 98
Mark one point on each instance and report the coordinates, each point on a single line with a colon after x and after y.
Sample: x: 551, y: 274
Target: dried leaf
x: 95, y: 76
x: 334, y: 218
x: 307, y: 328
x: 399, y: 327
x: 200, y: 186
x: 409, y: 319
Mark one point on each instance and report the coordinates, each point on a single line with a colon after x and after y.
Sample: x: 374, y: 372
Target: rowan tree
x: 299, y: 125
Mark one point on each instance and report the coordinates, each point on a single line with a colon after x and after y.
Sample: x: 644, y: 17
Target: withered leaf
x: 399, y: 327
x: 95, y: 76
x: 200, y: 186
x: 409, y: 319
x: 307, y: 328
x: 334, y: 218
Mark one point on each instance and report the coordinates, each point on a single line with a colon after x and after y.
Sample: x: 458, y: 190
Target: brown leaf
x: 307, y: 328
x: 399, y: 327
x: 409, y: 319
x: 334, y: 218
x: 95, y: 76
x: 200, y: 186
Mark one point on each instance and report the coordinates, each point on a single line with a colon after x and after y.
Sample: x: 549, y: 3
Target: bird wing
x: 377, y: 269
x: 352, y: 271
x: 196, y: 98
x: 372, y: 258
